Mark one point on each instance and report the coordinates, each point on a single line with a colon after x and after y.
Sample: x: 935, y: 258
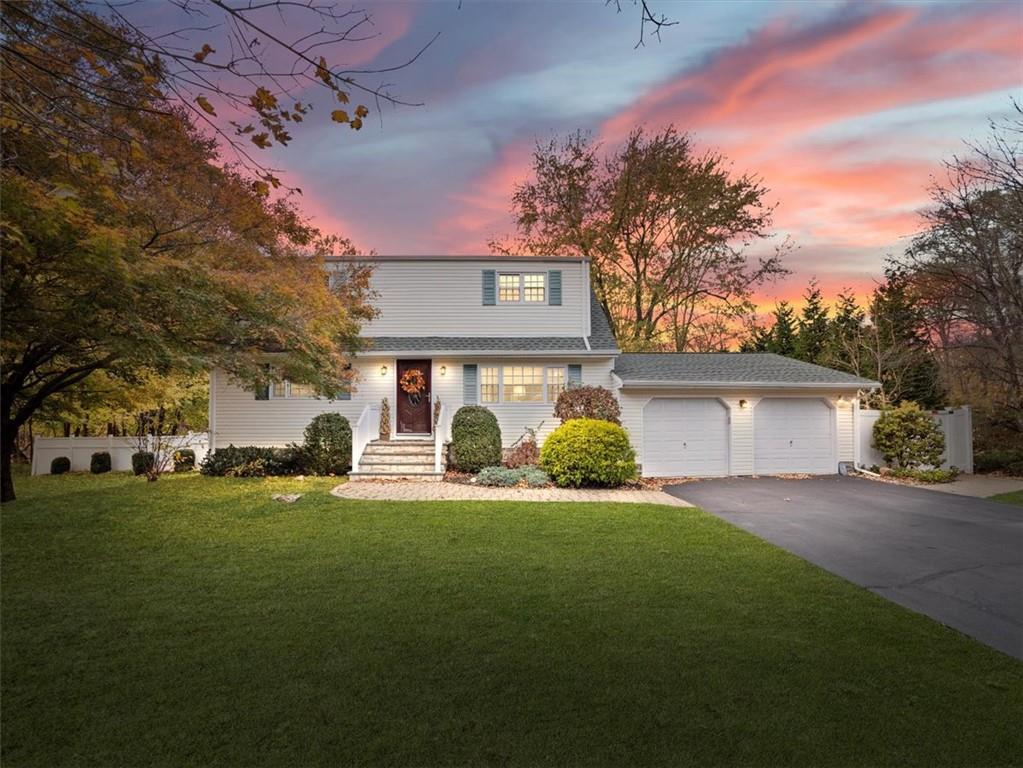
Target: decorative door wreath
x: 412, y: 383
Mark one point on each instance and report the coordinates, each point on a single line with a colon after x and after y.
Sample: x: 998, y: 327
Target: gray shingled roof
x: 763, y: 368
x: 601, y: 340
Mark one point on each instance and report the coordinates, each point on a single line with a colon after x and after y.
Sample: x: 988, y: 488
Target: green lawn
x: 196, y: 622
x: 1012, y: 497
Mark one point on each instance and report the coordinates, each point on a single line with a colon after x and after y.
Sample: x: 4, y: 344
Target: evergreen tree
x: 845, y: 335
x: 784, y: 333
x: 897, y: 347
x: 813, y: 326
x: 759, y: 340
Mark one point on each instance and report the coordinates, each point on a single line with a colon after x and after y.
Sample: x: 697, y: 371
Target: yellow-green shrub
x: 588, y: 452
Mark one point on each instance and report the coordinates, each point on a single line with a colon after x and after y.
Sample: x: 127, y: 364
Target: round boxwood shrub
x: 99, y: 463
x: 328, y: 444
x: 184, y: 460
x: 60, y: 465
x: 588, y: 452
x: 142, y: 462
x: 908, y: 437
x: 475, y: 439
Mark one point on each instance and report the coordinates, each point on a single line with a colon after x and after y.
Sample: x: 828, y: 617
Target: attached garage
x: 733, y: 413
x: 793, y: 435
x: 685, y: 437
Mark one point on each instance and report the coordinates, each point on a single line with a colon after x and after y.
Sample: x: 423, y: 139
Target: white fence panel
x: 956, y: 423
x: 80, y: 449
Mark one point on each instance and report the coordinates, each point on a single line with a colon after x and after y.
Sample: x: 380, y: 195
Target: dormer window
x: 516, y: 288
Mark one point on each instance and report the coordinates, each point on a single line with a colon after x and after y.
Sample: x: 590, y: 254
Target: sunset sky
x: 846, y: 111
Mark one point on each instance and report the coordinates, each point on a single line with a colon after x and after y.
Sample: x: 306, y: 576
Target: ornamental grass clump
x: 475, y: 439
x: 184, y: 460
x: 588, y: 452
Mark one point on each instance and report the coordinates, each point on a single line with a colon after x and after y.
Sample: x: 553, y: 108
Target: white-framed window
x: 284, y: 389
x: 521, y: 383
x: 555, y: 382
x: 518, y: 288
x: 490, y: 384
x: 509, y: 288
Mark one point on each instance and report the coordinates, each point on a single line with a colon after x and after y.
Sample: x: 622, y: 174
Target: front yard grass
x: 1012, y: 497
x: 196, y: 622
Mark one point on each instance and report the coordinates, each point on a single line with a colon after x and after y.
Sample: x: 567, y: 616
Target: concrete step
x: 414, y: 449
x: 398, y: 468
x: 431, y: 476
x: 398, y: 458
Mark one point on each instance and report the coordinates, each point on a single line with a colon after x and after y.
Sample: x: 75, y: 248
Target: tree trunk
x: 7, y: 437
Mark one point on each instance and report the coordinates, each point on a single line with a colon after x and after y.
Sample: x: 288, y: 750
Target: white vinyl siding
x: 237, y: 417
x: 442, y: 298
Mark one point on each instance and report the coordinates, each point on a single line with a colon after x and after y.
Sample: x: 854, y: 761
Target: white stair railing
x: 365, y: 428
x: 441, y: 432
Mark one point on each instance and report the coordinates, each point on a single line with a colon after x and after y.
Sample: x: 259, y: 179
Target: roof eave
x: 667, y: 384
x: 488, y: 352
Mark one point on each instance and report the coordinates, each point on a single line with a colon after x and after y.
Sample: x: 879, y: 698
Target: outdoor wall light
x: 443, y: 370
x: 383, y: 370
x: 743, y: 403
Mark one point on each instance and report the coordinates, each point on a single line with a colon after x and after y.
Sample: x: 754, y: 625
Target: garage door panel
x: 793, y: 435
x: 685, y: 437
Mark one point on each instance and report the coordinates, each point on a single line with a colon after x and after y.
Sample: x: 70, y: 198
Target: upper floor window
x: 515, y: 288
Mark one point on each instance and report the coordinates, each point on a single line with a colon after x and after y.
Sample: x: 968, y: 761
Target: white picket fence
x: 80, y: 449
x: 956, y: 423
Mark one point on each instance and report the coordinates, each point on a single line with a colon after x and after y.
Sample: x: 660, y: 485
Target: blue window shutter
x: 469, y: 384
x: 575, y: 375
x: 489, y: 287
x: 554, y: 288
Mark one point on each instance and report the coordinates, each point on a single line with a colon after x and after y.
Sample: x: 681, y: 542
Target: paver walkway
x: 412, y: 491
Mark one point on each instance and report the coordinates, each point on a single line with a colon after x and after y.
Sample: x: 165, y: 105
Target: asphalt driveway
x: 956, y: 559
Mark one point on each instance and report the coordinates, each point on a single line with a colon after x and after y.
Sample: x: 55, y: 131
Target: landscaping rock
x: 286, y: 498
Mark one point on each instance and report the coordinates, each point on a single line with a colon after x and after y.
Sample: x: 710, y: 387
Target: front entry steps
x: 398, y: 460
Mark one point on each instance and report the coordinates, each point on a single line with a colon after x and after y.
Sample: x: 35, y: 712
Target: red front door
x: 413, y: 408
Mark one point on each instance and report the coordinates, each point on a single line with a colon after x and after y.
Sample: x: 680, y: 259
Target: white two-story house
x: 510, y: 333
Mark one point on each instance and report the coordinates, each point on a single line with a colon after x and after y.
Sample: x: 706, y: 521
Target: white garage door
x: 793, y: 435
x: 685, y: 437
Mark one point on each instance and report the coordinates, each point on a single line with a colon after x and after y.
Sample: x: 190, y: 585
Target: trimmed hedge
x: 588, y: 403
x: 588, y: 452
x: 328, y: 444
x: 60, y: 465
x: 99, y: 463
x: 475, y: 439
x: 184, y: 460
x: 926, y: 475
x: 142, y: 462
x: 254, y: 461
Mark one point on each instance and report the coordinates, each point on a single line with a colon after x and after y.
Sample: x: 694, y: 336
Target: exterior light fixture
x: 743, y: 403
x: 443, y: 370
x: 383, y: 370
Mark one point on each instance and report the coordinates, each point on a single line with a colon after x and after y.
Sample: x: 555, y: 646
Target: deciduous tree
x: 666, y: 229
x: 147, y: 256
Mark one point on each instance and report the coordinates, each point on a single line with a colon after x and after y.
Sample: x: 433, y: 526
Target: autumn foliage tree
x: 128, y: 249
x: 666, y: 228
